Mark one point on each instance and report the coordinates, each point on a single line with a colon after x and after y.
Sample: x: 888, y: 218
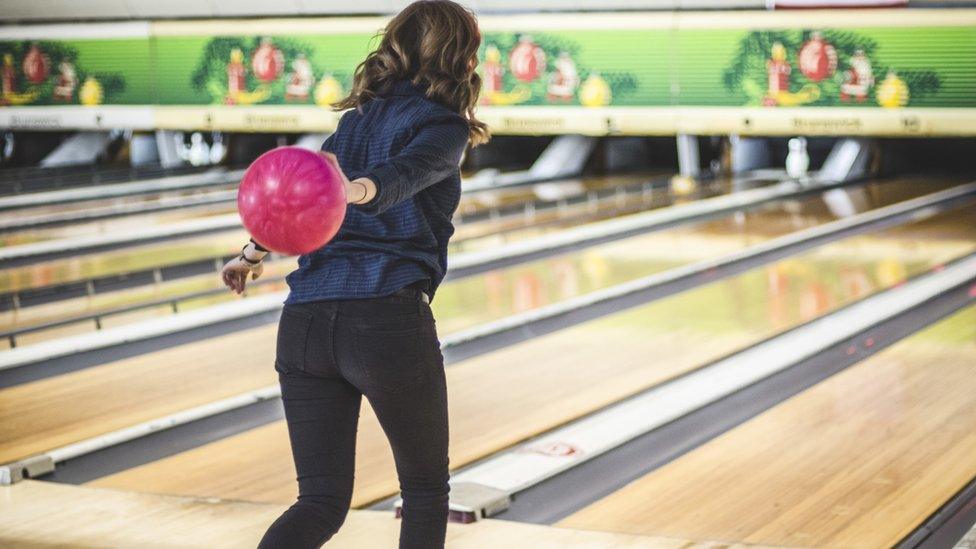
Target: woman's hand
x: 234, y: 273
x: 358, y: 191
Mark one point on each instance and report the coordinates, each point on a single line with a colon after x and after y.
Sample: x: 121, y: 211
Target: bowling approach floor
x: 42, y: 515
x: 490, y: 396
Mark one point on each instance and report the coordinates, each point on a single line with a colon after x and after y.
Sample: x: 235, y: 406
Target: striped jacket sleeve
x: 430, y: 156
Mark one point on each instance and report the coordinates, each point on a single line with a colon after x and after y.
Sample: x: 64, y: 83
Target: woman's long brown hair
x: 433, y: 43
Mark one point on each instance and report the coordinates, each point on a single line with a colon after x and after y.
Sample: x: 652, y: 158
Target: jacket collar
x: 407, y: 87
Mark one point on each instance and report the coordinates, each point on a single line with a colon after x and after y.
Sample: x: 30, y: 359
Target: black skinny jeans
x: 330, y: 354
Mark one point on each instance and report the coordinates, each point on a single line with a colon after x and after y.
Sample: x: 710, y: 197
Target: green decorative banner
x: 252, y: 70
x: 75, y: 72
x: 890, y: 66
x: 918, y: 67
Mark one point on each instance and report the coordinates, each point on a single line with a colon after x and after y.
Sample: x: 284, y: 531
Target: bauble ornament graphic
x: 892, y: 92
x: 527, y: 60
x: 817, y: 58
x: 595, y: 91
x: 91, y: 92
x: 267, y: 62
x: 328, y: 91
x: 36, y: 65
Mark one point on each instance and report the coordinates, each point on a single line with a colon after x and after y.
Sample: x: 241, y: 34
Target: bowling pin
x: 797, y: 161
x: 199, y: 150
x: 181, y: 149
x: 7, y: 150
x: 217, y: 151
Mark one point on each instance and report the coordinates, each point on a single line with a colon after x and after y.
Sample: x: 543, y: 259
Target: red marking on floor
x: 972, y: 291
x: 869, y: 342
x: 555, y: 449
x: 851, y: 350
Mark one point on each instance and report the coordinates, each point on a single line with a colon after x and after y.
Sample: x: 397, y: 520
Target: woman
x: 357, y: 320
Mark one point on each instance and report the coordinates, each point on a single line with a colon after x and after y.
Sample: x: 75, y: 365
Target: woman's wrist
x: 253, y: 253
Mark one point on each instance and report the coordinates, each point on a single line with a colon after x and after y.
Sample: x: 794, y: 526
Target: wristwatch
x: 257, y: 247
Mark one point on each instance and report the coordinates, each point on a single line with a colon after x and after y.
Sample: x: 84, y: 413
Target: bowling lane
x: 471, y: 301
x: 479, y: 233
x: 859, y: 460
x: 183, y: 292
x: 80, y: 268
x: 37, y: 416
x: 120, y: 213
x: 177, y: 251
x: 502, y: 398
x: 544, y: 207
x: 149, y: 378
x: 109, y: 225
x: 221, y: 200
x: 474, y: 203
x: 121, y: 262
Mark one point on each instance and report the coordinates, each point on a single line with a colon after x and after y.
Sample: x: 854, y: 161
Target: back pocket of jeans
x: 293, y: 331
x: 389, y: 357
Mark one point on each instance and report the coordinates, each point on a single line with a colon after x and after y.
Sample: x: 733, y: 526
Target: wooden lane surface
x: 128, y: 223
x: 52, y: 412
x: 148, y: 256
x: 115, y: 201
x: 469, y: 233
x: 501, y: 232
x: 36, y: 515
x: 128, y: 391
x: 666, y: 248
x: 116, y: 262
x: 470, y: 204
x: 476, y: 202
x: 811, y: 211
x: 500, y: 399
x: 38, y: 314
x: 480, y: 234
x: 473, y: 203
x: 859, y: 460
x: 105, y: 397
x: 470, y: 301
x: 99, y: 303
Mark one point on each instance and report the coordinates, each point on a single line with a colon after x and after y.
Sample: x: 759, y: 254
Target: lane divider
x: 210, y: 178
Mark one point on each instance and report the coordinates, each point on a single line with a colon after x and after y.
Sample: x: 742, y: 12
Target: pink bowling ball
x: 292, y: 200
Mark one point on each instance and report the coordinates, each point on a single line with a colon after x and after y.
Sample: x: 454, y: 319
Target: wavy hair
x: 433, y: 43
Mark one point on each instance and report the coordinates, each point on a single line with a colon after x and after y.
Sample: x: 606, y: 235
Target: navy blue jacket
x: 410, y: 147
